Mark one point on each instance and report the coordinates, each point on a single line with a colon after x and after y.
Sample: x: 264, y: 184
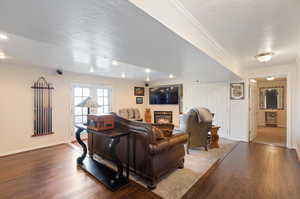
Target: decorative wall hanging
x: 42, y: 107
x: 139, y: 100
x: 237, y: 91
x: 139, y: 91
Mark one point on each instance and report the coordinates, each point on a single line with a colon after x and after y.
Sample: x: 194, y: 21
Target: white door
x: 101, y: 94
x: 253, y: 103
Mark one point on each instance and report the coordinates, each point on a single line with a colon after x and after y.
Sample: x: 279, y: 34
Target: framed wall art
x: 237, y: 91
x: 139, y: 100
x: 139, y: 91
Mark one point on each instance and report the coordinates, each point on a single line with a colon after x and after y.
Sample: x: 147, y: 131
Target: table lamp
x: 88, y: 103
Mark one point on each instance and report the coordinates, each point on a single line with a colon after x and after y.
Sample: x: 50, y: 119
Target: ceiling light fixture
x: 270, y: 78
x: 147, y: 70
x: 253, y: 80
x: 264, y: 57
x: 123, y: 75
x: 115, y: 63
x: 171, y: 76
x: 3, y: 36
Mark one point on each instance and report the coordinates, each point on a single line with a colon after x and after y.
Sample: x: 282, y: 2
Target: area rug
x: 196, y: 164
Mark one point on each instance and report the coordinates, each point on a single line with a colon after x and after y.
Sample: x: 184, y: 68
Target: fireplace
x: 163, y: 117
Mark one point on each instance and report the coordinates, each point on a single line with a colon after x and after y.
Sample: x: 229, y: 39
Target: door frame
x: 93, y: 95
x: 288, y: 77
x: 249, y: 120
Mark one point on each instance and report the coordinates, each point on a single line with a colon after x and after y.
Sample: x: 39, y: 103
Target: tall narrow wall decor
x: 42, y: 107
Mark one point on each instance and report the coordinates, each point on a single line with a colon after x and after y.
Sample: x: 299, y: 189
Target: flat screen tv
x: 164, y: 95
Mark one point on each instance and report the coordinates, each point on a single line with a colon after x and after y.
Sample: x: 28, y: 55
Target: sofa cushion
x: 124, y: 113
x: 131, y: 113
x: 137, y: 114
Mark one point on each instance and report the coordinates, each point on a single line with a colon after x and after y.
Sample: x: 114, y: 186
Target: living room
x: 144, y: 99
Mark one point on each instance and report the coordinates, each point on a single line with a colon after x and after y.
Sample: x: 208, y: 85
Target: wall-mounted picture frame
x: 139, y: 91
x: 237, y: 91
x: 139, y: 100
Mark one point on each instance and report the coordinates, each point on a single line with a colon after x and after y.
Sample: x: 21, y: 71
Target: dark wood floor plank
x: 252, y: 171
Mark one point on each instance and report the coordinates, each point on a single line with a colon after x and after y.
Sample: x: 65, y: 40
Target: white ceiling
x: 74, y: 34
x: 245, y: 28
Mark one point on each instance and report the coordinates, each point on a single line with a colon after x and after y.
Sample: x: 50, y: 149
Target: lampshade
x: 89, y: 103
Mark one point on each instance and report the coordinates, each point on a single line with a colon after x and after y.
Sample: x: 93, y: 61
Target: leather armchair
x: 150, y: 158
x: 197, y: 131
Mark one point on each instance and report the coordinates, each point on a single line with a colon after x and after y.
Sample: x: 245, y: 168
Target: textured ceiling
x: 73, y: 34
x: 245, y: 28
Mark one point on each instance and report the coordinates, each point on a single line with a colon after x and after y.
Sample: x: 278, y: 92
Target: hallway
x: 271, y: 135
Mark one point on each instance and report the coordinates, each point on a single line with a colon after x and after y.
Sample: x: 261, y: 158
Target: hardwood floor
x: 249, y: 171
x: 252, y: 171
x: 271, y: 135
x: 52, y: 173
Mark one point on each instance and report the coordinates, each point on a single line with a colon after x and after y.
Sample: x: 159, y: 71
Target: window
x: 80, y: 113
x: 103, y: 99
x: 100, y: 93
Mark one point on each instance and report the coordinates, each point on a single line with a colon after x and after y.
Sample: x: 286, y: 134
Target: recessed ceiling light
x: 253, y: 80
x: 171, y: 76
x: 147, y: 70
x: 92, y: 69
x: 3, y: 36
x: 270, y: 78
x: 264, y: 57
x: 148, y: 79
x: 123, y: 75
x: 114, y: 62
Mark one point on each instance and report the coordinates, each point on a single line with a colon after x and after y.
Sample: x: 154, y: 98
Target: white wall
x: 16, y: 105
x: 215, y: 97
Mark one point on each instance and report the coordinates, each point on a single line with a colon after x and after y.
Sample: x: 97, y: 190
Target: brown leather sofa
x: 150, y: 158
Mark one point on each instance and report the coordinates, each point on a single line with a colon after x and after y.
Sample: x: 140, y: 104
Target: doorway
x: 268, y: 111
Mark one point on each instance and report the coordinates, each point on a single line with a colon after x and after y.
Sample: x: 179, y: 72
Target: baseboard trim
x: 235, y: 139
x: 31, y: 149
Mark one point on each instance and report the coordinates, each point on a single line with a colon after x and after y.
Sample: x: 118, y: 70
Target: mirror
x: 271, y: 98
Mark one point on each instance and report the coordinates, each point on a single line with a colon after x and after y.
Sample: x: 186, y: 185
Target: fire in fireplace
x: 163, y: 117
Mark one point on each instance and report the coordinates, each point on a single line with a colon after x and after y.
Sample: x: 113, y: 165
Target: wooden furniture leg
x: 214, y: 137
x: 78, y: 138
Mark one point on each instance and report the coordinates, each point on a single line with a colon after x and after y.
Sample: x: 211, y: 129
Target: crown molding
x: 211, y: 46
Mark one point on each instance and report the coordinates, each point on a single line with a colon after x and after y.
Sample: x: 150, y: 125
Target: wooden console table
x: 112, y: 179
x: 214, y: 142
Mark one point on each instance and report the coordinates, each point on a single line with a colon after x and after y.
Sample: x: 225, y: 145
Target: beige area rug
x: 196, y: 164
